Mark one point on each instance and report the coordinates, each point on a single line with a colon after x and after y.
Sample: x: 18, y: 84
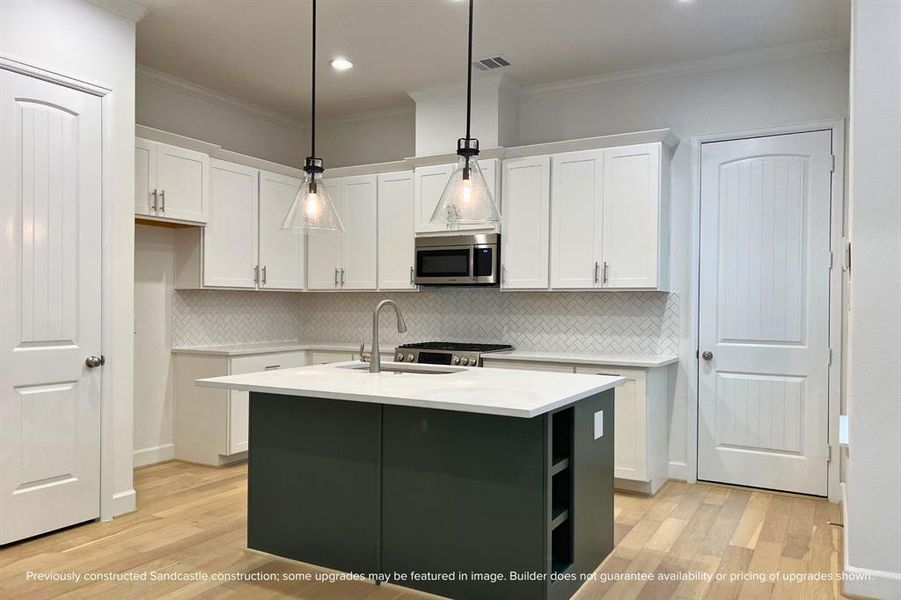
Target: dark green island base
x: 382, y: 490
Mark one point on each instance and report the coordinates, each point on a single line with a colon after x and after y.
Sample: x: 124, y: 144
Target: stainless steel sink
x: 400, y: 369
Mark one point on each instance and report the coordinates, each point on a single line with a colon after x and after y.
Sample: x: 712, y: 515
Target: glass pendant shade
x: 466, y: 199
x: 312, y: 208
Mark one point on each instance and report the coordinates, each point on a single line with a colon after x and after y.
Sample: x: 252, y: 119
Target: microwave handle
x: 472, y: 263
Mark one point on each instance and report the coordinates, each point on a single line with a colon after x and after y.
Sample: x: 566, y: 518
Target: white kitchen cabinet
x: 348, y: 260
x: 211, y: 425
x: 171, y: 183
x: 640, y: 419
x: 281, y: 252
x: 635, y: 221
x: 610, y: 219
x: 231, y: 236
x: 429, y: 183
x: 396, y: 224
x: 324, y: 357
x: 576, y: 209
x: 359, y: 242
x: 324, y: 247
x: 525, y: 244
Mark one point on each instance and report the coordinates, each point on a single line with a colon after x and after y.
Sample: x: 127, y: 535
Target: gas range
x: 446, y: 353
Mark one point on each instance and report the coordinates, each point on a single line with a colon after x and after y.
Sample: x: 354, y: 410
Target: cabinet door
x: 576, y: 193
x: 395, y: 235
x: 183, y: 182
x: 630, y: 427
x: 527, y: 186
x: 360, y: 245
x: 428, y: 185
x: 230, y: 237
x: 145, y: 176
x: 631, y: 209
x: 324, y: 247
x: 282, y: 261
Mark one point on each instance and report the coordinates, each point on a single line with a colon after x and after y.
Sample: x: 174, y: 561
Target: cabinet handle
x: 411, y: 275
x: 336, y: 277
x: 596, y: 266
x: 264, y: 274
x: 342, y: 277
x: 256, y: 274
x: 271, y: 367
x: 154, y: 194
x: 163, y: 200
x: 605, y: 271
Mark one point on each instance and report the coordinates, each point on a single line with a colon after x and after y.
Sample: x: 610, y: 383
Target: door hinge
x: 828, y: 357
x: 830, y: 260
x: 847, y: 265
x: 698, y: 353
x: 828, y: 453
x: 832, y: 167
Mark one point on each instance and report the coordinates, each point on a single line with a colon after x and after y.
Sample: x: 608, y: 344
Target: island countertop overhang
x: 504, y: 392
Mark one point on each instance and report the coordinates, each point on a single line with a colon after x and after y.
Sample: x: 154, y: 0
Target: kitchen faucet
x: 375, y: 362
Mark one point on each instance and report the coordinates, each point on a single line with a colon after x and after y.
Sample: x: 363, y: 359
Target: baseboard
x: 677, y: 470
x: 860, y: 582
x: 153, y: 454
x: 124, y: 502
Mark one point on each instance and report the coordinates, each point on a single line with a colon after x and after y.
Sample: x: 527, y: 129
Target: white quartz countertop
x: 504, y: 392
x: 580, y: 358
x: 275, y: 347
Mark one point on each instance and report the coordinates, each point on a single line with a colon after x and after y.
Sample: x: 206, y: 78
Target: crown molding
x: 124, y: 8
x: 481, y: 82
x: 725, y: 61
x: 143, y: 73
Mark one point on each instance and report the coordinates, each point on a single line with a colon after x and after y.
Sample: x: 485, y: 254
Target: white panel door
x: 524, y: 252
x: 576, y: 201
x: 230, y: 237
x: 428, y: 185
x: 396, y: 237
x: 282, y: 253
x: 324, y: 247
x: 50, y: 299
x: 145, y: 176
x: 183, y: 182
x: 764, y: 299
x: 360, y: 242
x: 631, y: 210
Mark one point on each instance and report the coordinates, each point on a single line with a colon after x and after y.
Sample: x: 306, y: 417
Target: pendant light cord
x: 313, y: 102
x: 468, y: 74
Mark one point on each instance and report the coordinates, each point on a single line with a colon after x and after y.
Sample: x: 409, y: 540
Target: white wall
x: 874, y: 403
x: 82, y: 40
x: 177, y: 106
x: 154, y: 281
x: 804, y: 88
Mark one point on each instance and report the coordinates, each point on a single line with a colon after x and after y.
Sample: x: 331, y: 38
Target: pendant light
x: 312, y: 208
x: 466, y: 199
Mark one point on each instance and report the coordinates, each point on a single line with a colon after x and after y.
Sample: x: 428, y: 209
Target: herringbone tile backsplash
x: 597, y: 322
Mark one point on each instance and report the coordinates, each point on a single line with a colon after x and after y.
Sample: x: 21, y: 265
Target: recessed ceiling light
x: 341, y: 64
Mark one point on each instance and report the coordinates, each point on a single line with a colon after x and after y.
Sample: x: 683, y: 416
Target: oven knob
x: 410, y: 357
x: 399, y: 357
x: 464, y: 361
x: 456, y: 359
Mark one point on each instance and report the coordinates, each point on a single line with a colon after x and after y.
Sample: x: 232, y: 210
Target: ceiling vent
x: 487, y: 64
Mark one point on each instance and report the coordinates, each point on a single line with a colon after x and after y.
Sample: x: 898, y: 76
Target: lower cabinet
x: 640, y: 440
x: 211, y: 426
x: 323, y: 357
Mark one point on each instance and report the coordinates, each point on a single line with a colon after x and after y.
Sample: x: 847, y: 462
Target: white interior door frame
x: 836, y: 315
x: 111, y: 502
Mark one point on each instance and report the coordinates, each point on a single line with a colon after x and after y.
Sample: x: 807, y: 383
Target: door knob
x: 92, y: 362
x: 707, y: 355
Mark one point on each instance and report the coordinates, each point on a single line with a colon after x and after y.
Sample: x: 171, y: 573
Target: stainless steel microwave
x: 458, y: 259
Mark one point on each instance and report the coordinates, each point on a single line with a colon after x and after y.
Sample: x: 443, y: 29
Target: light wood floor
x: 192, y: 518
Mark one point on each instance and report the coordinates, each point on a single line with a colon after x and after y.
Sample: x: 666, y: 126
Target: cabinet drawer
x: 323, y: 357
x: 526, y: 365
x: 265, y: 362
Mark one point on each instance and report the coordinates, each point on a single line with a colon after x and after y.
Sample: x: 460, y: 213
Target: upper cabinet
x: 610, y: 219
x: 243, y: 245
x: 524, y: 244
x: 396, y: 222
x: 171, y: 183
x: 348, y: 260
x: 429, y: 183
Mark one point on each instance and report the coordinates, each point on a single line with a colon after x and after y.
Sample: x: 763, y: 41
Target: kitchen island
x: 463, y: 482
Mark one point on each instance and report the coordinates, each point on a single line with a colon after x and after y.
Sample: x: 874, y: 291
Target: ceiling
x: 259, y: 50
